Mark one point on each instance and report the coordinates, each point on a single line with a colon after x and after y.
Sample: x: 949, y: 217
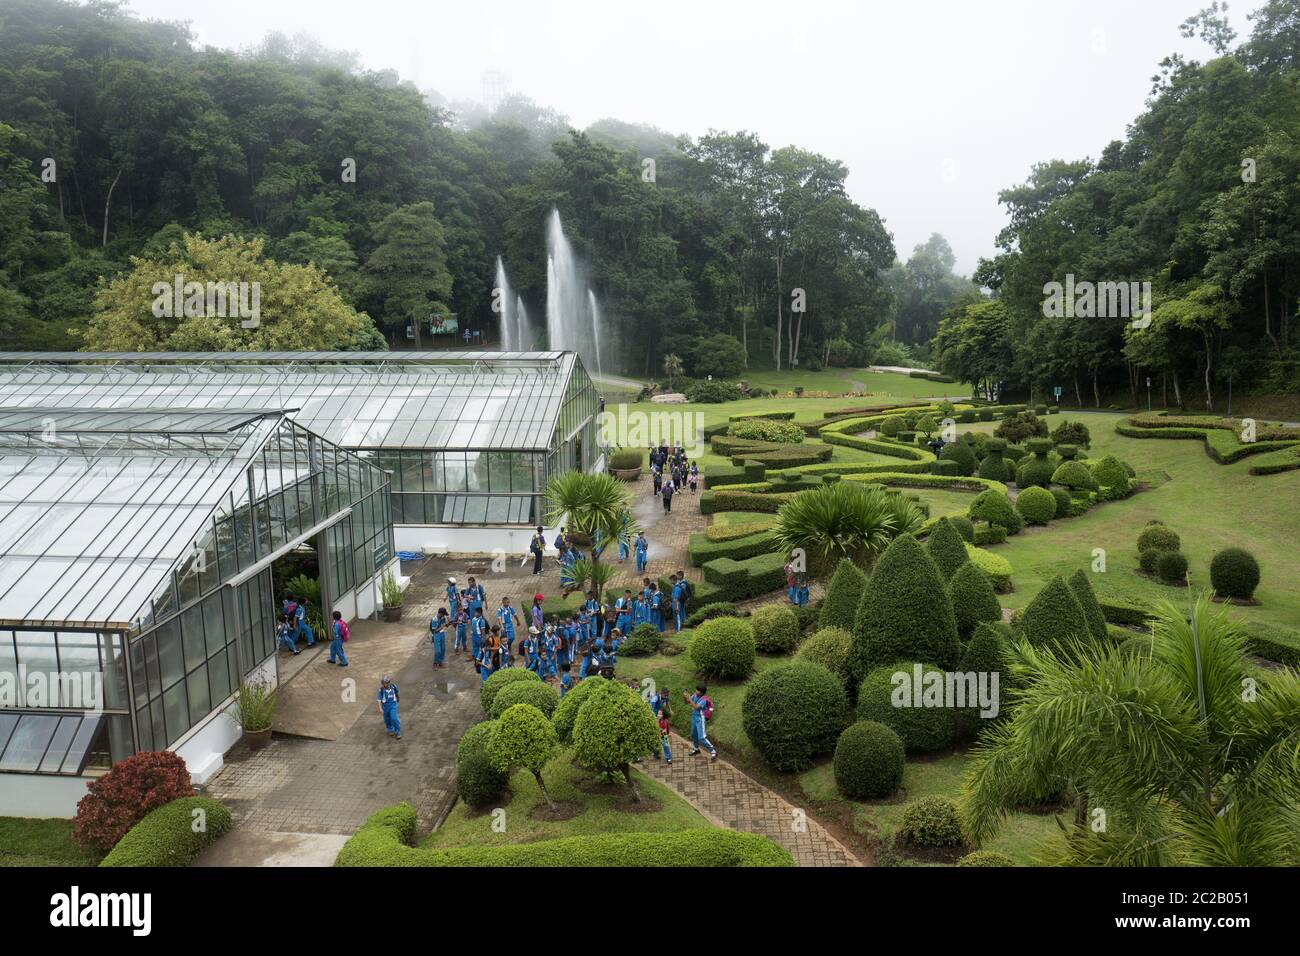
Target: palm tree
x: 843, y: 520
x: 672, y: 367
x: 597, y: 504
x: 1182, y: 755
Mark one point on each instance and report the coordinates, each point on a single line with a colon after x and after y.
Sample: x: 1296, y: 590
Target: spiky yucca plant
x: 843, y: 520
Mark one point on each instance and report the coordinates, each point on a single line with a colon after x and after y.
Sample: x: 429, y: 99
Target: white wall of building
x: 40, y: 795
x: 467, y: 539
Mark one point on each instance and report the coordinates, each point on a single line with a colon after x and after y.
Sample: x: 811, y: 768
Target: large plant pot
x: 626, y: 474
x: 257, y: 739
x: 393, y: 613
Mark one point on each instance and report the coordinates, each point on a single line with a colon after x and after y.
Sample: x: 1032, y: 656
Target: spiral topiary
x: 869, y: 760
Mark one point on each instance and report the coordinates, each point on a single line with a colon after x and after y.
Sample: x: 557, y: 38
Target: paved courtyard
x: 331, y: 764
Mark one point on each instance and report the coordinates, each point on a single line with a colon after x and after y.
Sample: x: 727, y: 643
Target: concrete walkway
x: 727, y: 797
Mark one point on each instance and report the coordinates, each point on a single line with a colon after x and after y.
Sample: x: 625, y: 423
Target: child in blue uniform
x: 462, y: 628
x: 438, y: 630
x: 531, y: 649
x: 656, y: 608
x: 387, y: 698
x: 506, y: 618
x: 478, y: 631
x: 566, y: 682
x: 484, y: 662
x: 642, y: 553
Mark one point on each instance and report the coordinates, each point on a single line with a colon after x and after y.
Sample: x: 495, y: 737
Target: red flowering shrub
x: 118, y: 800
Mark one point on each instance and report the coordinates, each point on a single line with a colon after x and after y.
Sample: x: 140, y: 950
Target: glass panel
x: 28, y: 742
x: 59, y: 744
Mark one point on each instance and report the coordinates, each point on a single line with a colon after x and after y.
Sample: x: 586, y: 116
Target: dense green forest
x: 1201, y: 199
x: 128, y: 153
x: 288, y: 155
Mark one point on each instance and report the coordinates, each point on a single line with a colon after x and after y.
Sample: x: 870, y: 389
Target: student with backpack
x: 668, y: 490
x: 642, y: 548
x: 538, y: 547
x: 478, y: 632
x: 462, y: 626
x: 695, y: 476
x: 684, y: 600
x: 340, y: 635
x: 438, y: 631
x: 387, y: 698
x: 701, y: 713
x: 285, y: 635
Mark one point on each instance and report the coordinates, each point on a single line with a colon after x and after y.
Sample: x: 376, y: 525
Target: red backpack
x: 708, y: 707
x: 343, y: 629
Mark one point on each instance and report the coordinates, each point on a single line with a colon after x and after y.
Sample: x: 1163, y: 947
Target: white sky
x: 934, y: 105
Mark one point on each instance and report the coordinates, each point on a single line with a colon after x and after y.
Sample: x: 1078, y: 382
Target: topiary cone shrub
x: 1087, y: 598
x: 869, y: 759
x: 776, y: 629
x: 1036, y: 505
x: 840, y: 607
x: 478, y: 781
x: 973, y: 599
x: 118, y: 800
x: 1054, y: 619
x: 1234, y: 573
x: 905, y: 612
x: 792, y: 712
x: 922, y: 729
x: 723, y: 647
x: 946, y: 547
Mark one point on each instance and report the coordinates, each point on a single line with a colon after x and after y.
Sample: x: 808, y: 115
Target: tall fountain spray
x: 507, y: 303
x: 523, y: 333
x: 571, y: 310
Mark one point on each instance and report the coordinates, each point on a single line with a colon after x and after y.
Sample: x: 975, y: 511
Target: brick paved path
x: 729, y: 798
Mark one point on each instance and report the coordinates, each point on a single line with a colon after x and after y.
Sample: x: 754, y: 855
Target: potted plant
x: 392, y: 597
x: 254, y: 712
x: 625, y: 464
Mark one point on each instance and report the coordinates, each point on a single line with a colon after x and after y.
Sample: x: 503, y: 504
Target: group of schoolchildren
x: 701, y: 712
x: 671, y: 471
x: 293, y: 626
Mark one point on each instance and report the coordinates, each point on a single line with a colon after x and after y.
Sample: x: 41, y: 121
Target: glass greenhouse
x: 136, y: 544
x: 469, y: 438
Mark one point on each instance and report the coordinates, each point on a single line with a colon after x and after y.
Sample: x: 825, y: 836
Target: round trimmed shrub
x: 644, y: 641
x: 1036, y: 505
x: 522, y: 737
x: 961, y: 453
x: 776, y: 629
x: 766, y: 429
x: 985, y: 858
x: 536, y: 692
x: 840, y: 608
x: 626, y: 459
x: 932, y: 821
x: 946, y: 547
x: 1147, y: 559
x: 1158, y: 537
x: 1034, y: 471
x: 1067, y: 452
x: 995, y: 507
x: 792, y: 712
x: 1074, y: 474
x: 829, y: 647
x: 869, y: 759
x: 478, y: 781
x: 166, y: 836
x: 892, y: 425
x: 710, y: 611
x: 973, y: 599
x: 921, y: 729
x: 1171, y: 567
x: 493, y: 685
x: 963, y: 526
x: 1111, y: 474
x: 613, y: 729
x: 1234, y: 572
x: 723, y: 647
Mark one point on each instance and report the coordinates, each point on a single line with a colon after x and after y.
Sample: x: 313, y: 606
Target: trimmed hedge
x: 387, y: 839
x: 1120, y: 611
x: 869, y: 759
x: 1234, y: 573
x: 748, y: 473
x: 922, y: 729
x: 776, y: 629
x: 905, y: 613
x: 165, y: 836
x: 1271, y: 642
x: 985, y: 858
x: 793, y: 712
x: 538, y: 693
x: 728, y: 580
x: 723, y: 647
x: 994, y: 566
x: 729, y: 499
x: 710, y: 611
x: 701, y: 550
x: 764, y: 429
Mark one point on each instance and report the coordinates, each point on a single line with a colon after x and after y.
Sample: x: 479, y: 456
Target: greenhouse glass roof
x: 92, y: 521
x: 486, y: 401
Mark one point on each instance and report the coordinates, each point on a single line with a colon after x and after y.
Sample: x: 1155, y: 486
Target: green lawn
x: 27, y: 842
x: 566, y: 782
x: 1211, y: 506
x: 1018, y: 837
